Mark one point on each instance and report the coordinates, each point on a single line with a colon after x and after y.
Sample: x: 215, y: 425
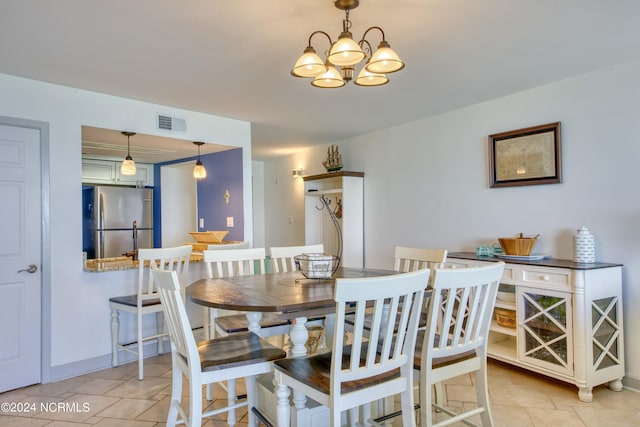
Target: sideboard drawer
x: 508, y: 275
x: 556, y: 278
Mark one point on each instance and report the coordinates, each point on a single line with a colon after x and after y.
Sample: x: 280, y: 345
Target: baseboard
x: 98, y: 363
x: 631, y: 383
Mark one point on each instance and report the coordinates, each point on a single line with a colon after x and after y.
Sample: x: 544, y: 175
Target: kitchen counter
x: 101, y: 265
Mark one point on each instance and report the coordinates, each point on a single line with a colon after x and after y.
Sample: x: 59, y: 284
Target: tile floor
x: 114, y: 397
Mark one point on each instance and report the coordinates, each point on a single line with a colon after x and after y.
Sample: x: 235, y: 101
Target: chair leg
x: 482, y: 392
x: 438, y: 393
x: 426, y: 410
x: 231, y: 400
x: 115, y: 334
x: 408, y: 414
x: 140, y: 349
x: 195, y: 403
x: 336, y: 417
x: 176, y: 393
x: 252, y: 394
x: 284, y: 408
x: 160, y: 330
x: 354, y: 416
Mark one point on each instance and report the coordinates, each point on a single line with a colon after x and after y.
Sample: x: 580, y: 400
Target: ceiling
x: 233, y: 58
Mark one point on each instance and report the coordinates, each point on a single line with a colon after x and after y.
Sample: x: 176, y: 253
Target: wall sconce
x: 296, y: 173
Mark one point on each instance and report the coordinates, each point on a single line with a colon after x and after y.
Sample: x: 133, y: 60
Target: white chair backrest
x: 412, y: 259
x: 226, y: 246
x: 182, y: 339
x: 389, y: 343
x: 463, y: 299
x: 176, y: 259
x: 234, y: 262
x: 282, y: 258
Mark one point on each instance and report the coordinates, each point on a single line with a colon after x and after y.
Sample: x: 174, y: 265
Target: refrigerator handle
x: 100, y: 244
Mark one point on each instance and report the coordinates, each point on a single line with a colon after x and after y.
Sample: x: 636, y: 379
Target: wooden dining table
x: 290, y: 295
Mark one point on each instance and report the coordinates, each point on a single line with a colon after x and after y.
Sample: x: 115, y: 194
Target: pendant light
x: 199, y: 171
x: 128, y: 165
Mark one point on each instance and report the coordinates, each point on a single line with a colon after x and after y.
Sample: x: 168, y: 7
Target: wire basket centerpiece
x: 317, y: 266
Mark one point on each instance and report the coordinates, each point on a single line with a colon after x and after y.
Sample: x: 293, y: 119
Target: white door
x: 20, y: 248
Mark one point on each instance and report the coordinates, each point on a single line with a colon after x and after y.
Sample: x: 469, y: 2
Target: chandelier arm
x: 320, y: 32
x: 373, y: 28
x: 369, y: 49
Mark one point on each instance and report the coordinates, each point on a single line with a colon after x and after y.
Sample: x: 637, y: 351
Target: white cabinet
x: 96, y: 171
x: 345, y: 194
x: 568, y: 320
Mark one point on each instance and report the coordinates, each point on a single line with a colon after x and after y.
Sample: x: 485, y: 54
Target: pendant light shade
x: 199, y: 170
x: 128, y: 166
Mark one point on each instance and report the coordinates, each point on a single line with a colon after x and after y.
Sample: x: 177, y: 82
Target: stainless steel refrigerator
x: 120, y: 220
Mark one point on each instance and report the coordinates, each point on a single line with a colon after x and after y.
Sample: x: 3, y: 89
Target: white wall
x: 79, y: 307
x: 178, y: 203
x: 257, y: 186
x: 426, y: 182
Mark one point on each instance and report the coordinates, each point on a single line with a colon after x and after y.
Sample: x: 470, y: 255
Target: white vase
x: 585, y: 246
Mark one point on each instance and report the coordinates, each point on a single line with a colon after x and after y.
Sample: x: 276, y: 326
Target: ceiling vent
x: 171, y: 123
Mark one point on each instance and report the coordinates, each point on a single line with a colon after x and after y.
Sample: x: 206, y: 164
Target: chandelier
x: 345, y: 54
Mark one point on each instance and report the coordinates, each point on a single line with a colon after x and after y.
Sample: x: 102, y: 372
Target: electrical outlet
x: 229, y: 221
x: 201, y: 223
x: 290, y: 220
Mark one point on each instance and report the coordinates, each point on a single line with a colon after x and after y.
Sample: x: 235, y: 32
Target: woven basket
x: 520, y: 246
x: 506, y: 318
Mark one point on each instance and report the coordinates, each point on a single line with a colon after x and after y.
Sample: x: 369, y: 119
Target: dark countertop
x: 547, y: 262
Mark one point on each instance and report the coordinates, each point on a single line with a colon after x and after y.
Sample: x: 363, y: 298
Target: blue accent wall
x: 224, y: 172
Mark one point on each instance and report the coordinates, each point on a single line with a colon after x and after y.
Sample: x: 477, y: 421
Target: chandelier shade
x: 128, y: 166
x: 366, y: 78
x: 309, y: 64
x: 330, y: 79
x: 384, y: 60
x: 345, y: 55
x: 345, y: 51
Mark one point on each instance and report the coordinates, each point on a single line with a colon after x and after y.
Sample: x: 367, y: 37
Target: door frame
x: 45, y: 231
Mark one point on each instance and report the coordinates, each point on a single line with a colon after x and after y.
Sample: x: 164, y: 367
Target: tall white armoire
x: 339, y: 188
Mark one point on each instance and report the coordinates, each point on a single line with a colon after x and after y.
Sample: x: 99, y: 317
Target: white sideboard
x: 568, y: 319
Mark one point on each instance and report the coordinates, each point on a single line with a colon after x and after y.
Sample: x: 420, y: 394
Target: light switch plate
x: 229, y: 221
x: 201, y: 225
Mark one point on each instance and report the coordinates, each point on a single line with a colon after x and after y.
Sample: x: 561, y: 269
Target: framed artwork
x: 529, y: 156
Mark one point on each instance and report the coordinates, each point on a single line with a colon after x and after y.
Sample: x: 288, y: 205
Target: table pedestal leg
x: 254, y: 322
x: 299, y: 336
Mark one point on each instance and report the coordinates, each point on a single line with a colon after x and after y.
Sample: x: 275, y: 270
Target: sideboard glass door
x: 545, y: 329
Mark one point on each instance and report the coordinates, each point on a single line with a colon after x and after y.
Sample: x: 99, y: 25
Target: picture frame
x: 529, y: 156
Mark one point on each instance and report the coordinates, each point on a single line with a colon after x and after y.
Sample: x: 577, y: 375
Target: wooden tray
x: 209, y: 236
